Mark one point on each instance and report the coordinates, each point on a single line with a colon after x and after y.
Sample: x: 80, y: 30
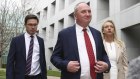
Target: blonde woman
x: 116, y: 52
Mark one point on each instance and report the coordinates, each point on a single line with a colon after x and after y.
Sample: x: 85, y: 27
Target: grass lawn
x: 53, y: 73
x: 2, y: 74
x: 49, y: 73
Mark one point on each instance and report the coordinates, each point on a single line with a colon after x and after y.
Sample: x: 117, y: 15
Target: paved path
x: 50, y: 77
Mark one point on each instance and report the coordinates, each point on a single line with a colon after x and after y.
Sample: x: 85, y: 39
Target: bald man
x: 79, y: 52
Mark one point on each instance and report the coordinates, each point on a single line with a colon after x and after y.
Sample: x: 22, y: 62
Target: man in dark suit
x: 79, y: 52
x: 26, y: 58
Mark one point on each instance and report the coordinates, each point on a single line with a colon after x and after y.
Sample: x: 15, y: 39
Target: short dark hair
x: 30, y: 16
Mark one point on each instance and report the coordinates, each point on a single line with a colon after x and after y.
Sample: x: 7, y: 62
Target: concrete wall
x: 58, y: 14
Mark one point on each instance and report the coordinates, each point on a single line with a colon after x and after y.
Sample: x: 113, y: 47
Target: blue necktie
x: 29, y: 57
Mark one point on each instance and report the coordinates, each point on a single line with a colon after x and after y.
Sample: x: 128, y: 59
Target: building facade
x: 56, y: 15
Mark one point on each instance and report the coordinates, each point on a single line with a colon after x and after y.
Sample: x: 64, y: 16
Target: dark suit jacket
x: 66, y: 50
x: 16, y: 61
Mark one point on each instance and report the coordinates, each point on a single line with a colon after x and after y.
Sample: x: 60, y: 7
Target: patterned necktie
x: 29, y: 57
x: 90, y: 54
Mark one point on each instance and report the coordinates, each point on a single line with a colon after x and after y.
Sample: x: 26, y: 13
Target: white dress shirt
x: 84, y: 60
x: 35, y: 65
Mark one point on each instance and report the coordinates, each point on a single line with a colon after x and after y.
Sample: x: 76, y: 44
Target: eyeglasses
x: 35, y: 25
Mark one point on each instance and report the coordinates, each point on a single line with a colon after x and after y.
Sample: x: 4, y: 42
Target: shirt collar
x: 80, y: 28
x: 28, y: 35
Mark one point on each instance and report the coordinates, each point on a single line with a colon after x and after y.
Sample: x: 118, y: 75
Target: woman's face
x: 108, y: 29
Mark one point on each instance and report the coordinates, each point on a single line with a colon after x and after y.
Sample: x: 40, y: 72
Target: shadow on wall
x: 131, y: 37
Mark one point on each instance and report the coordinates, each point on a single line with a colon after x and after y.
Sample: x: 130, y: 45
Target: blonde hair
x: 115, y: 38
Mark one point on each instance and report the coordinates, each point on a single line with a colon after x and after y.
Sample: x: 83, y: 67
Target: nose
x: 89, y: 14
x: 33, y: 26
x: 109, y: 29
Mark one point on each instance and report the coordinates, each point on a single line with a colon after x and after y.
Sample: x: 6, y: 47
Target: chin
x: 32, y: 33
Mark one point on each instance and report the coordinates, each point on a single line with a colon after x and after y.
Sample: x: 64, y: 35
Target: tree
x: 11, y: 23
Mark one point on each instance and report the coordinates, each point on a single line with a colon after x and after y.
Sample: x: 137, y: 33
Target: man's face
x: 31, y: 26
x: 83, y: 14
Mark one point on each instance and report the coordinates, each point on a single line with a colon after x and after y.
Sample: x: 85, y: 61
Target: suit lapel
x: 39, y: 42
x: 23, y: 46
x: 74, y: 41
x: 95, y: 37
x: 117, y: 50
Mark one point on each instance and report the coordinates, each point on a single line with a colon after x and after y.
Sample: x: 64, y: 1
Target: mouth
x: 88, y: 19
x: 33, y: 31
x: 109, y: 32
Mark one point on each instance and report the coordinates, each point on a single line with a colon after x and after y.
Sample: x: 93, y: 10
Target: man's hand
x: 73, y: 66
x: 100, y: 66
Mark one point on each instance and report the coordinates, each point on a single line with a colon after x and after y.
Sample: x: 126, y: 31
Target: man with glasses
x: 26, y: 58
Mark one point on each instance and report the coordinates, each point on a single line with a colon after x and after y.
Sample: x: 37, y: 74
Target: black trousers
x: 33, y: 76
